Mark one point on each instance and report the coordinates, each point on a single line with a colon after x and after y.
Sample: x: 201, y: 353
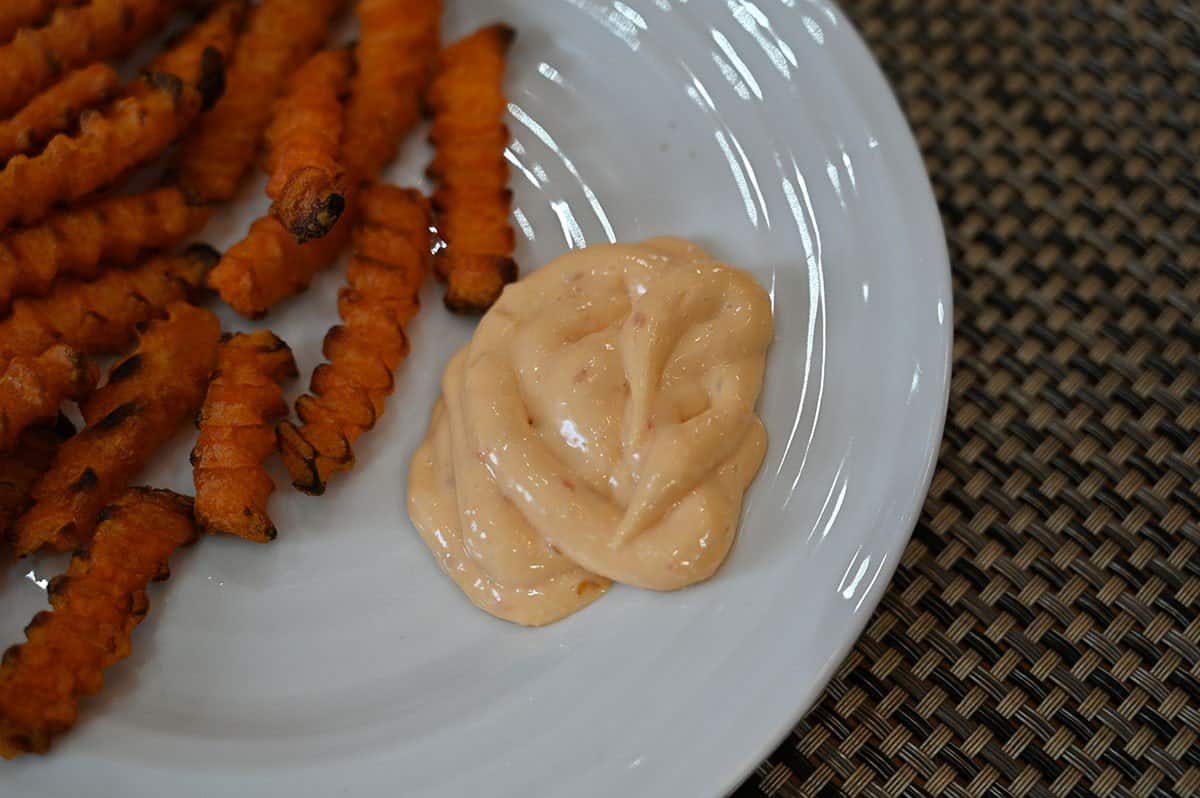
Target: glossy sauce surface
x: 599, y: 427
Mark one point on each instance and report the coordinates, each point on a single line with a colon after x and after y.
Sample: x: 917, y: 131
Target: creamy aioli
x: 599, y: 426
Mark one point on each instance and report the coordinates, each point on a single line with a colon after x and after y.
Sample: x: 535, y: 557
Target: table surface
x: 1042, y: 635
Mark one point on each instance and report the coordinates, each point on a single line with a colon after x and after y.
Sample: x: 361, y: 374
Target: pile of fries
x: 89, y: 268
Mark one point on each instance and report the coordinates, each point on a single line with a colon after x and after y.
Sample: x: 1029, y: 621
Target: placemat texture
x: 1042, y: 635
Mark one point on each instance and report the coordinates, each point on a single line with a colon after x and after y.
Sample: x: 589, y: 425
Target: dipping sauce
x: 599, y: 427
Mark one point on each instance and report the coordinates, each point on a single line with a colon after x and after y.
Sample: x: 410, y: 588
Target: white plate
x: 340, y: 661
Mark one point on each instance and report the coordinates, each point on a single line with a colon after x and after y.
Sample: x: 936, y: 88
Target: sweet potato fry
x: 111, y: 232
x: 392, y: 243
x: 73, y: 37
x: 101, y: 317
x: 17, y: 14
x: 304, y: 139
x: 279, y: 35
x: 24, y: 465
x: 33, y: 388
x: 472, y: 201
x: 397, y: 53
x: 236, y: 435
x: 134, y: 130
x: 268, y: 266
x: 199, y: 55
x: 97, y: 604
x: 148, y: 397
x: 57, y: 109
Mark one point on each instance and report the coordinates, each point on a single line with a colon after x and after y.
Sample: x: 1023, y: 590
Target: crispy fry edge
x: 96, y: 605
x: 307, y: 178
x: 236, y: 436
x: 148, y: 397
x: 101, y: 317
x: 348, y: 393
x: 113, y: 232
x: 24, y: 465
x: 397, y: 51
x: 74, y: 36
x: 472, y: 201
x: 32, y: 389
x: 277, y: 36
x: 131, y: 132
x: 57, y: 109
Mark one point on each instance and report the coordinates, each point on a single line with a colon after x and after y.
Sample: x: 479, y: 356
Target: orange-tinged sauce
x: 599, y: 427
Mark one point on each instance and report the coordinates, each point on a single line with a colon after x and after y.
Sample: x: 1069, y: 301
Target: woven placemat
x: 1042, y: 635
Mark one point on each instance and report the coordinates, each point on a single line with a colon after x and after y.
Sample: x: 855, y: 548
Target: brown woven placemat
x: 1042, y: 635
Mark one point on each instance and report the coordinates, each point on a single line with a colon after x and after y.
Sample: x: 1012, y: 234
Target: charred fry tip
x: 304, y: 147
x: 506, y: 33
x: 317, y: 224
x: 478, y: 298
x: 276, y: 344
x: 300, y: 458
x: 472, y: 201
x: 313, y: 487
x: 289, y: 370
x: 264, y: 533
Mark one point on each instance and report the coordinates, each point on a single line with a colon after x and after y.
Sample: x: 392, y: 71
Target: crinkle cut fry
x: 33, y: 388
x: 392, y: 242
x: 307, y: 178
x: 268, y: 265
x: 199, y: 54
x: 17, y: 14
x: 396, y: 53
x: 96, y: 605
x: 472, y: 201
x: 148, y: 397
x: 101, y: 317
x: 24, y: 465
x: 131, y: 132
x: 57, y: 109
x: 75, y: 36
x: 81, y: 243
x: 236, y: 436
x: 278, y: 36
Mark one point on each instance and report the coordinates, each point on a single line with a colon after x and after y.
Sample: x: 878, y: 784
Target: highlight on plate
x: 600, y: 427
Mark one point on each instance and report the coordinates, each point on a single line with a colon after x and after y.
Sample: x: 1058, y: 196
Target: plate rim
x: 863, y: 81
x: 877, y: 84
